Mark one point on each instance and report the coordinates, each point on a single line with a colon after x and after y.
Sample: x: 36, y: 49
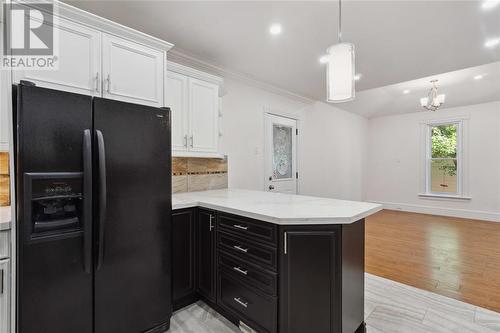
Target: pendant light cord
x: 340, y: 21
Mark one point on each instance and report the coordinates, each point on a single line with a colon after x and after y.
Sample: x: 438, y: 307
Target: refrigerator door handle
x: 101, y: 151
x: 87, y: 201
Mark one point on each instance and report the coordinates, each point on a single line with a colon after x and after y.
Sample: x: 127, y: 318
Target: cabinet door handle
x: 285, y: 247
x: 2, y: 277
x: 192, y: 140
x: 240, y: 302
x: 239, y: 248
x: 185, y: 140
x: 239, y: 226
x: 108, y: 83
x: 97, y: 82
x: 240, y: 270
x: 211, y: 222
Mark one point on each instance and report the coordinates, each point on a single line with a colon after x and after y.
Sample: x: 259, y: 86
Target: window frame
x: 459, y: 157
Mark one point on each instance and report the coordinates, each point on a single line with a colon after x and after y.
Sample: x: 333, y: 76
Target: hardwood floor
x: 458, y: 258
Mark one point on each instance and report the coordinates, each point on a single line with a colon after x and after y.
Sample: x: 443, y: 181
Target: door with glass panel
x: 280, y: 154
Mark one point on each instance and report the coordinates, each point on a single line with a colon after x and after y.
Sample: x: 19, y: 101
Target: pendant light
x: 340, y: 69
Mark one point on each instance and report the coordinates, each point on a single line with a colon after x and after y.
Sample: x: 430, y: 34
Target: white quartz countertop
x: 278, y: 208
x: 5, y: 218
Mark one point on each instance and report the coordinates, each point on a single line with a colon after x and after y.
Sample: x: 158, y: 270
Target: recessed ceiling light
x: 406, y: 91
x: 492, y: 42
x: 478, y: 77
x: 275, y: 29
x: 357, y: 77
x: 323, y: 59
x: 488, y: 4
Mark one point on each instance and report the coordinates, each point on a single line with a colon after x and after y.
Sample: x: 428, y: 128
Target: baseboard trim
x: 463, y: 213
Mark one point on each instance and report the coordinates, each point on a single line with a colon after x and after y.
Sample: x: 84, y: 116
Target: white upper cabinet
x: 132, y: 72
x: 79, y: 60
x: 177, y: 100
x: 193, y: 97
x: 101, y: 58
x: 5, y: 121
x: 203, y: 116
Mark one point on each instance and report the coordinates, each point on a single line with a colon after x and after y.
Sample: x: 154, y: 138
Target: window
x: 443, y: 163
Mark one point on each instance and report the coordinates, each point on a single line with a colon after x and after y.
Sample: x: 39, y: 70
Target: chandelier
x: 433, y: 101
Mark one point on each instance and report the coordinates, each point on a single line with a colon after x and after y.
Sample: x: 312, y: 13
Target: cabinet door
x: 4, y: 296
x: 5, y: 98
x: 203, y: 116
x: 177, y: 101
x: 79, y: 60
x: 308, y: 282
x: 132, y: 72
x: 206, y: 254
x: 5, y: 123
x: 183, y: 255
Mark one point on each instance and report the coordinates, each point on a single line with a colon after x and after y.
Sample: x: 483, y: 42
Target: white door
x: 79, y: 61
x: 203, y: 116
x: 280, y: 154
x: 5, y: 296
x: 177, y: 101
x: 132, y: 72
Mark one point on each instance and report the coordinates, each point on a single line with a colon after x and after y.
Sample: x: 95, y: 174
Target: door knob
x: 271, y: 187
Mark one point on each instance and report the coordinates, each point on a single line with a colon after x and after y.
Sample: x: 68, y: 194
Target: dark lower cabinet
x: 270, y: 278
x: 321, y: 278
x: 206, y: 262
x: 308, y: 281
x: 183, y: 257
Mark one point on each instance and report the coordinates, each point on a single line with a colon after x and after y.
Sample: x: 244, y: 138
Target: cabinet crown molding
x: 197, y: 74
x: 99, y: 23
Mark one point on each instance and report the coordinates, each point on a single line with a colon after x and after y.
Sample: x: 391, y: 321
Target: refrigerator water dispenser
x: 54, y: 203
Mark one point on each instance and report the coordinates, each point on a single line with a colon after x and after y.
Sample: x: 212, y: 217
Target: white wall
x: 394, y: 164
x: 343, y: 155
x: 333, y: 154
x: 242, y: 124
x: 330, y: 142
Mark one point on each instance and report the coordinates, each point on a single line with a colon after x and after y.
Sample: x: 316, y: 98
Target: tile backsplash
x: 4, y: 179
x: 198, y: 174
x: 188, y: 175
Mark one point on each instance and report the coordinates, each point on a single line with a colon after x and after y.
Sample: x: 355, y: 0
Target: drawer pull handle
x: 240, y: 302
x: 211, y: 222
x: 240, y: 270
x: 239, y: 248
x: 239, y: 226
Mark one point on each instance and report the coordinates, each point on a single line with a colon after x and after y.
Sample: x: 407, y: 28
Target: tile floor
x: 389, y: 307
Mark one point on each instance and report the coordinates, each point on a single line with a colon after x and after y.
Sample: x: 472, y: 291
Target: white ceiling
x: 460, y: 89
x: 396, y: 41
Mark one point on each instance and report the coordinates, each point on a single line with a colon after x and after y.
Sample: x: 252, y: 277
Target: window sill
x: 443, y: 196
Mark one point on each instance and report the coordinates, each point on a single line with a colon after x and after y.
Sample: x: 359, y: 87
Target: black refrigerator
x: 93, y: 191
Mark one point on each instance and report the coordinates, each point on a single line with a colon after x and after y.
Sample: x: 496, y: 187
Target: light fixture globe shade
x: 340, y: 73
x: 441, y: 98
x: 424, y: 101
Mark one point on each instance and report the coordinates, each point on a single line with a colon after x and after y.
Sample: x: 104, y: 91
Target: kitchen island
x: 271, y: 262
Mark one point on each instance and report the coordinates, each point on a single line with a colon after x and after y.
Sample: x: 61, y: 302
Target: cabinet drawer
x: 4, y: 244
x: 257, y: 310
x: 248, y: 228
x: 247, y: 250
x: 248, y: 273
